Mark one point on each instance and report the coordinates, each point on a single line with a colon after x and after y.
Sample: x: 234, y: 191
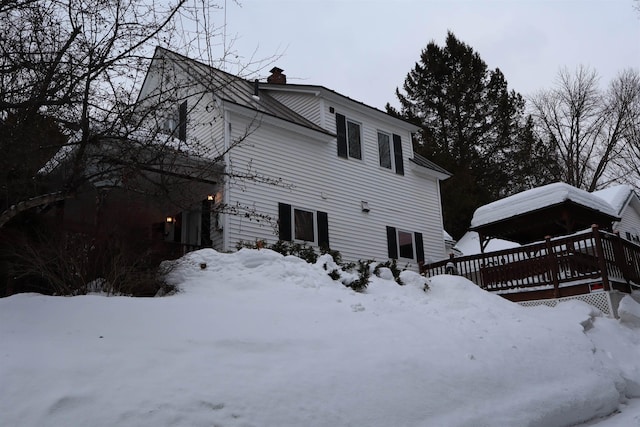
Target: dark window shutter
x: 419, y: 248
x: 323, y: 230
x: 397, y: 154
x: 284, y: 221
x: 182, y: 121
x: 341, y: 130
x: 392, y: 243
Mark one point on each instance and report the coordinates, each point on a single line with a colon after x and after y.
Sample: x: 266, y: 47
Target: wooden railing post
x: 552, y: 266
x: 620, y: 256
x: 602, y: 262
x: 450, y: 267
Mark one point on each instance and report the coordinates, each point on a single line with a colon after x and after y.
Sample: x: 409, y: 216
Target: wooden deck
x: 571, y: 265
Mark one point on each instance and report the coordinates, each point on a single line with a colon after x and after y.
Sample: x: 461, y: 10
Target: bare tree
x: 588, y: 128
x: 72, y: 117
x: 77, y: 66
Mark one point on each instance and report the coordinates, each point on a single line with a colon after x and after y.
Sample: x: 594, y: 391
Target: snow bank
x: 258, y: 339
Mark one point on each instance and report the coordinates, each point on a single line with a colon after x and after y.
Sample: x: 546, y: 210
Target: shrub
x: 302, y: 251
x: 256, y: 244
x: 364, y: 273
x: 56, y: 262
x: 393, y: 266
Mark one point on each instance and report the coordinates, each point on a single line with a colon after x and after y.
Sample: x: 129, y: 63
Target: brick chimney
x: 277, y: 77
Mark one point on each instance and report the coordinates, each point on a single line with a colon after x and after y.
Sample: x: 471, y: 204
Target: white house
x: 625, y: 202
x: 303, y: 163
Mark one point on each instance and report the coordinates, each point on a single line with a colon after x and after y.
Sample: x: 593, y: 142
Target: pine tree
x: 472, y: 125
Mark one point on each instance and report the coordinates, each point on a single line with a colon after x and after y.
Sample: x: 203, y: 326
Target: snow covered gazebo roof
x: 551, y: 210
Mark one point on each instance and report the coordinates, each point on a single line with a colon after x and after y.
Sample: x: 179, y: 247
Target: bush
x: 364, y: 273
x: 55, y: 262
x: 302, y: 251
x: 393, y: 266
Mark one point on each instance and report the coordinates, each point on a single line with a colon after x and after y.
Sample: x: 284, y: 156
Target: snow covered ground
x: 258, y: 339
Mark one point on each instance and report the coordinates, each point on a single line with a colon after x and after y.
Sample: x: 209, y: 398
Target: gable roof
x: 617, y: 196
x: 236, y: 90
x: 426, y: 163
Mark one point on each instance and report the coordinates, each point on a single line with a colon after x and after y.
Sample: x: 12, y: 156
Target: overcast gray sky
x: 365, y: 48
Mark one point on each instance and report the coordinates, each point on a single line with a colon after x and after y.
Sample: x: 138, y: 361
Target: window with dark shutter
x: 397, y: 154
x: 384, y: 150
x: 353, y: 139
x: 349, y: 138
x: 405, y: 244
x: 303, y: 225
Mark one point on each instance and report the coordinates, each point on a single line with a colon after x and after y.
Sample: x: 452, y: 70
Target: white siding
x: 323, y: 181
x: 205, y: 125
x: 307, y: 105
x: 630, y: 222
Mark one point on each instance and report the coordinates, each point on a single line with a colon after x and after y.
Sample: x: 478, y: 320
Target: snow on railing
x: 588, y: 257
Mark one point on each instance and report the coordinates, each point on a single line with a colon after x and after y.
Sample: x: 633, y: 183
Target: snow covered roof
x: 536, y: 199
x: 617, y: 196
x: 447, y: 236
x: 551, y: 210
x: 469, y: 244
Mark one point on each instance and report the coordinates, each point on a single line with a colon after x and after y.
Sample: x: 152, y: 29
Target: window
x: 303, y: 225
x: 384, y: 150
x: 353, y: 140
x: 175, y: 123
x: 349, y: 138
x: 405, y: 244
x: 390, y: 154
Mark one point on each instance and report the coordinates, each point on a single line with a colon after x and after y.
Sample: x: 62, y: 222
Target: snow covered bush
x: 392, y: 266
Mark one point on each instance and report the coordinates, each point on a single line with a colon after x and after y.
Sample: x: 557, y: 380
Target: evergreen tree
x: 473, y: 126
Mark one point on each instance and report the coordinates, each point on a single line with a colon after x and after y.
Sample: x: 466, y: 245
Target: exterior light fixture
x: 210, y: 197
x: 365, y: 206
x: 169, y: 219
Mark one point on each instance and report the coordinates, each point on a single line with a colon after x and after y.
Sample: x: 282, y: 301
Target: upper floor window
x: 384, y: 150
x: 175, y: 123
x: 349, y: 137
x: 390, y: 154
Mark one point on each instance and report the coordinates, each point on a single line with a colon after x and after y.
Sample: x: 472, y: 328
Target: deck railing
x: 589, y: 257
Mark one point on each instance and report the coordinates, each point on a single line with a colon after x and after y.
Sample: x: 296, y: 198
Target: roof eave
x: 247, y: 112
x: 327, y: 93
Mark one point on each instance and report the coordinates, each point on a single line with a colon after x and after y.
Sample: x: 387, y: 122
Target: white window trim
x: 293, y: 225
x: 391, y: 152
x: 355, y: 122
x: 413, y: 244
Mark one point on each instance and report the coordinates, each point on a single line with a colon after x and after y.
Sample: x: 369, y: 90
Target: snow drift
x: 260, y: 339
